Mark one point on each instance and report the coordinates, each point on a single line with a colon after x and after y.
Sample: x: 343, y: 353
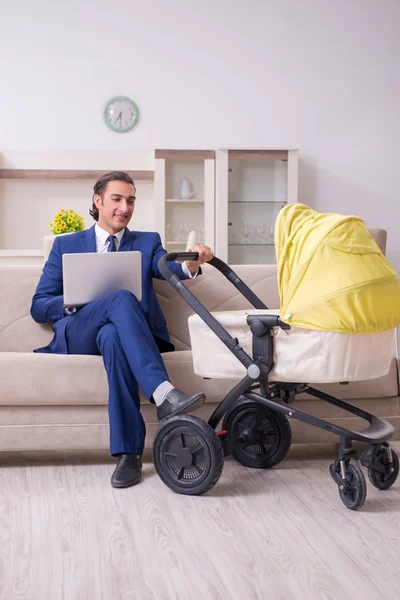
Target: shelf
x: 13, y: 253
x: 251, y: 245
x: 173, y: 243
x: 185, y: 154
x: 189, y: 201
x: 67, y: 174
x: 258, y: 154
x: 257, y: 202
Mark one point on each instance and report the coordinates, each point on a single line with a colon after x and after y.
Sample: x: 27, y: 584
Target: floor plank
x: 282, y: 534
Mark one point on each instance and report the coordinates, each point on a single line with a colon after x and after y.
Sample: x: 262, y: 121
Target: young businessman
x: 130, y: 335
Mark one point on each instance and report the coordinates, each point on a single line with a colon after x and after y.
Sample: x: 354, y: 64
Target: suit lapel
x: 126, y: 241
x: 88, y: 240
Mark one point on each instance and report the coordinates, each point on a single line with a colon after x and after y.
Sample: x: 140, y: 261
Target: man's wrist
x: 192, y: 269
x: 187, y: 271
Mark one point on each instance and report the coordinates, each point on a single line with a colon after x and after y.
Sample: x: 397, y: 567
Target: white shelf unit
x: 251, y: 188
x: 176, y: 217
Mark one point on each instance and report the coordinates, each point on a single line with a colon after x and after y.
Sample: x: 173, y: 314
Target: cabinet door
x: 251, y: 188
x: 185, y: 192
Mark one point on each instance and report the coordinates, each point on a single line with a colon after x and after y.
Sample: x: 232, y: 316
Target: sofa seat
x: 81, y: 380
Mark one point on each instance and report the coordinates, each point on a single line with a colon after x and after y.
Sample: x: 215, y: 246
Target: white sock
x: 161, y: 391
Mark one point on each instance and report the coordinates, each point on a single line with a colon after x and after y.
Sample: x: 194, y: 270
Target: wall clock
x: 120, y: 114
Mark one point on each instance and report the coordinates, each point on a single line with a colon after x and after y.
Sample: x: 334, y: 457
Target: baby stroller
x: 340, y: 306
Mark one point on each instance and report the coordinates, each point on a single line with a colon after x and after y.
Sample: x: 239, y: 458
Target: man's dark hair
x: 101, y: 185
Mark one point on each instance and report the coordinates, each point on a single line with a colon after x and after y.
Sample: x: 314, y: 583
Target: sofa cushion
x: 18, y: 331
x: 28, y: 378
x: 46, y: 379
x: 68, y: 379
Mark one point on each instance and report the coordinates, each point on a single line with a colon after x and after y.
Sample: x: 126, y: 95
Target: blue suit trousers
x: 116, y: 328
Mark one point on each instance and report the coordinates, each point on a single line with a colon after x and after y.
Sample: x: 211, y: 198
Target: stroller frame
x: 378, y: 457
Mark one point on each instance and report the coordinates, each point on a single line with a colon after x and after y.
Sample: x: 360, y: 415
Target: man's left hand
x: 205, y: 255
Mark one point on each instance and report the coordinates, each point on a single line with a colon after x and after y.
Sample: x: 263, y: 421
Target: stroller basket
x: 300, y: 355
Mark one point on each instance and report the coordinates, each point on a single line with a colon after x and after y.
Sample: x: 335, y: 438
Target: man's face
x: 116, y: 206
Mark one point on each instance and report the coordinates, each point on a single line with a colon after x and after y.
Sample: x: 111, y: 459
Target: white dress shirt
x: 101, y: 239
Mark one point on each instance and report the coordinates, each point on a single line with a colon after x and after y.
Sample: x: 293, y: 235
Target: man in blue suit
x: 130, y: 335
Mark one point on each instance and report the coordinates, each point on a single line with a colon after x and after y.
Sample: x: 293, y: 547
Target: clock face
x: 121, y: 114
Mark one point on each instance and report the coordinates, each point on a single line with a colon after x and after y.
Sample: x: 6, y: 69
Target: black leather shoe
x: 178, y: 403
x: 128, y: 471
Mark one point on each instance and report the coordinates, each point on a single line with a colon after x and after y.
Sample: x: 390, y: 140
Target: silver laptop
x: 93, y: 275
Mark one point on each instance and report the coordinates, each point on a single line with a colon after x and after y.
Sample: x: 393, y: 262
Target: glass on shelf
x: 232, y: 237
x: 182, y: 232
x: 272, y: 234
x: 180, y: 235
x: 261, y: 231
x: 169, y: 234
x: 245, y: 231
x: 200, y: 234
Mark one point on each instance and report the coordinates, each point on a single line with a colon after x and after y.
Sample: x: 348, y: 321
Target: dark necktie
x: 112, y: 246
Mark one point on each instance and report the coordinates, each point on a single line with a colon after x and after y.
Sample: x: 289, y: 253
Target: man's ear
x: 98, y: 200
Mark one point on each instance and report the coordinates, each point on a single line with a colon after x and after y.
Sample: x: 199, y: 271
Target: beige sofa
x: 60, y: 402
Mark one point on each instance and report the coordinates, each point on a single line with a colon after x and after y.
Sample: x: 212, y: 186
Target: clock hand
x: 119, y: 117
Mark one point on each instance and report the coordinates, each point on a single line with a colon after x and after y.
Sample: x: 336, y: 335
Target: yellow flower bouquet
x: 67, y: 221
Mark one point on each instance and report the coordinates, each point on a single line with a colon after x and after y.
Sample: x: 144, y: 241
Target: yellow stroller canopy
x: 332, y: 276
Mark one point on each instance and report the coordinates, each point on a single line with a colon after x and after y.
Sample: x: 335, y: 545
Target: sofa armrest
x: 380, y: 237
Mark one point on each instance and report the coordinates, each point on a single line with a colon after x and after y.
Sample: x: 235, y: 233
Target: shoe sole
x: 125, y: 484
x: 197, y: 402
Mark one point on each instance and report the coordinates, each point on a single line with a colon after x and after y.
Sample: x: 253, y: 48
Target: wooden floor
x: 282, y: 534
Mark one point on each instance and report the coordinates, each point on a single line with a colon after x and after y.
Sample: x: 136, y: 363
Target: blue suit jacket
x: 48, y: 301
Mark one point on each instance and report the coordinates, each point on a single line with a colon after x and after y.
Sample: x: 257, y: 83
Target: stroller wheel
x: 353, y: 490
x: 188, y: 455
x: 260, y: 438
x: 382, y: 473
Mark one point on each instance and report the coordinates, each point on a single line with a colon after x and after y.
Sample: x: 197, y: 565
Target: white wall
x: 319, y: 75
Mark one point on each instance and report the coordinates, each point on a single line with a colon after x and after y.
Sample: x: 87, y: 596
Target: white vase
x: 185, y: 190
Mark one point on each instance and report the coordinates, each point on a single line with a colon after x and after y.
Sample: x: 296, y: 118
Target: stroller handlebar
x: 218, y: 264
x: 180, y: 256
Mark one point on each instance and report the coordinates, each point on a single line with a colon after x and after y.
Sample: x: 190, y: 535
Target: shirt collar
x: 102, y: 234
